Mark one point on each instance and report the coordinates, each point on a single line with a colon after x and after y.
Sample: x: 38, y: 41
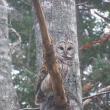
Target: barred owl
x: 64, y: 52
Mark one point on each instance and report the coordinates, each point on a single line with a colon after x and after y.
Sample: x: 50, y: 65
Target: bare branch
x: 98, y: 94
x: 102, y: 91
x: 17, y: 34
x: 103, y: 39
x: 105, y: 89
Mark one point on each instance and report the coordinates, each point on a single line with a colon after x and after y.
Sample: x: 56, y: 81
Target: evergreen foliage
x: 90, y: 29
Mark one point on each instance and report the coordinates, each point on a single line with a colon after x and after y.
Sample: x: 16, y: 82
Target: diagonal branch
x: 103, y: 17
x: 102, y: 91
x: 16, y: 44
x: 105, y: 38
x: 57, y: 82
x: 98, y: 94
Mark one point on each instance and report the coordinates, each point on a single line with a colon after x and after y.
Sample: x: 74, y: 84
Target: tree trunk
x: 61, y: 18
x: 8, y: 98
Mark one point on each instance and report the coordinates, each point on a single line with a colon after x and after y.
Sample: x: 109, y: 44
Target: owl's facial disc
x: 65, y: 51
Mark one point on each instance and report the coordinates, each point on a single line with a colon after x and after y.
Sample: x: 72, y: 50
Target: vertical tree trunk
x: 61, y: 18
x: 8, y: 99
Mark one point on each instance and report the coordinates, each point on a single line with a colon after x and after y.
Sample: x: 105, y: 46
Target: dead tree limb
x: 105, y: 89
x: 57, y: 82
x: 102, y: 91
x: 98, y: 94
x: 105, y: 38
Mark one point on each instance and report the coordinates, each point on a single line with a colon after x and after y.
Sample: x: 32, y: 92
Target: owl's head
x: 65, y: 50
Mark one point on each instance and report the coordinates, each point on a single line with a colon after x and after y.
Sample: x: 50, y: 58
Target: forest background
x: 94, y: 47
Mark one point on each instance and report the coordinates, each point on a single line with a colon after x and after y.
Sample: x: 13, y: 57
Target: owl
x: 64, y: 51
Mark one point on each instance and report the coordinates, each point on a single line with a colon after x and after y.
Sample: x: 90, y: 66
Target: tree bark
x: 8, y: 98
x: 50, y: 58
x: 62, y: 24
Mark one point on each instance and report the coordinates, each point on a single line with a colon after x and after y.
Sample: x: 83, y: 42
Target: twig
x: 87, y: 100
x: 100, y: 41
x: 98, y: 94
x: 102, y: 91
x: 17, y: 34
x: 16, y: 44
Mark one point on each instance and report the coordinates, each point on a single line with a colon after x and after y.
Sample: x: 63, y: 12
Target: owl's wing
x: 41, y: 76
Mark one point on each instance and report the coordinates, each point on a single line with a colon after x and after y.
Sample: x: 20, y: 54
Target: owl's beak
x: 65, y: 54
x: 67, y: 57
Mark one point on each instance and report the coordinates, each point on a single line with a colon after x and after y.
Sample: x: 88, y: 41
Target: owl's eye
x: 69, y: 48
x: 61, y: 48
